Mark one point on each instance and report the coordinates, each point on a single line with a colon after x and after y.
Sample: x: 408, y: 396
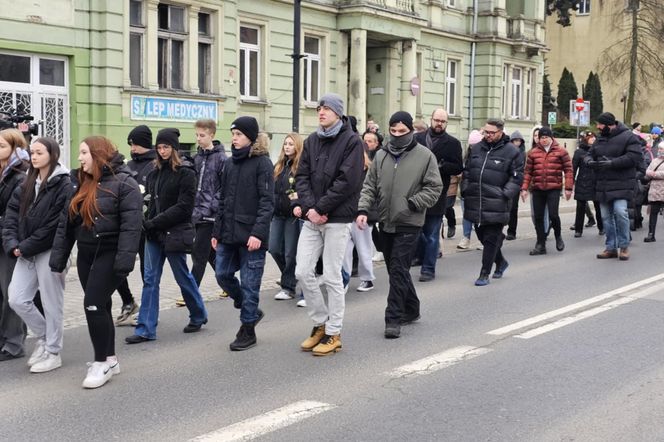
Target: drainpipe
x: 473, y: 49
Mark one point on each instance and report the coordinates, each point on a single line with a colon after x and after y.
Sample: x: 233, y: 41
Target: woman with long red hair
x: 104, y: 217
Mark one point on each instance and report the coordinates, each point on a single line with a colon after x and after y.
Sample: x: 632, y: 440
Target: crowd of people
x: 333, y: 203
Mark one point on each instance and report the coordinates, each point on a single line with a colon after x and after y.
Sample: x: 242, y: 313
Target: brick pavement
x: 74, y: 315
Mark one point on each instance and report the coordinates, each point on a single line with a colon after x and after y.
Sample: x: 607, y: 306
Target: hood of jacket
x: 217, y: 146
x: 147, y: 156
x: 516, y: 135
x: 260, y: 147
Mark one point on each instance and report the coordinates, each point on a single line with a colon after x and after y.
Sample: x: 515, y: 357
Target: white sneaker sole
x: 37, y: 369
x: 96, y: 383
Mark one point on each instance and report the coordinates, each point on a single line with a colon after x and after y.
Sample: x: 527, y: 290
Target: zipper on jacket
x: 486, y: 158
x: 200, y: 178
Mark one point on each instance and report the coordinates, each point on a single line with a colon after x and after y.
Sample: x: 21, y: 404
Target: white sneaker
x: 98, y: 374
x: 302, y: 303
x: 464, y: 244
x: 49, y: 362
x: 283, y: 295
x: 480, y: 247
x: 378, y: 257
x: 134, y: 320
x: 38, y: 353
x: 115, y: 365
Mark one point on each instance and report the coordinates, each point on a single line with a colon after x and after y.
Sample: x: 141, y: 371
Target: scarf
x: 240, y: 154
x: 330, y: 132
x: 398, y: 145
x: 19, y: 155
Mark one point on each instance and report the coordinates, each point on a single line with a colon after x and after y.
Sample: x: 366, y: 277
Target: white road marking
x: 552, y: 314
x: 438, y: 361
x: 265, y: 423
x: 587, y: 313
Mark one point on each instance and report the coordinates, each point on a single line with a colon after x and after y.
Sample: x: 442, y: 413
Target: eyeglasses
x: 491, y: 132
x: 439, y: 121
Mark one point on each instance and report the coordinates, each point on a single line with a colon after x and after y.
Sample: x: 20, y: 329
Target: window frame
x: 583, y: 7
x: 207, y: 40
x: 516, y: 88
x: 451, y: 98
x: 138, y: 30
x: 170, y: 36
x: 518, y: 94
x: 308, y: 60
x: 248, y: 49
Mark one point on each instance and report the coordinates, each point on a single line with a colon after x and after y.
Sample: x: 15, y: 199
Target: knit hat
x: 334, y: 102
x: 402, y: 117
x: 656, y: 130
x: 474, y: 137
x: 606, y: 118
x: 141, y: 136
x: 248, y: 126
x: 170, y: 136
x: 545, y: 132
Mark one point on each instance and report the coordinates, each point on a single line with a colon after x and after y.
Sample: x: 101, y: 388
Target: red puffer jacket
x: 544, y: 170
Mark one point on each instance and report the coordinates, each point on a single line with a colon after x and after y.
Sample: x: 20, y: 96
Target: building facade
x: 96, y: 66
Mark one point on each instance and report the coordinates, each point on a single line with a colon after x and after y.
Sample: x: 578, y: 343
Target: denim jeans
x: 616, y: 224
x: 148, y: 315
x: 230, y: 259
x: 429, y: 243
x: 284, y: 233
x: 467, y: 225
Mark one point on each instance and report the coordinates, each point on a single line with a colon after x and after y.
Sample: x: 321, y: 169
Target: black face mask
x: 606, y: 130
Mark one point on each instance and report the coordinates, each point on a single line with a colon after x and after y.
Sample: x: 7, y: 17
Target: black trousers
x: 655, y: 207
x: 123, y: 289
x: 95, y: 271
x: 581, y: 212
x: 202, y: 252
x: 402, y: 300
x: 491, y: 236
x: 542, y: 199
x: 514, y: 216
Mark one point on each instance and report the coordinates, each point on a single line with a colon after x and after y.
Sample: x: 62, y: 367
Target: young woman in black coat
x: 104, y: 217
x: 13, y: 167
x: 169, y: 233
x: 584, y: 185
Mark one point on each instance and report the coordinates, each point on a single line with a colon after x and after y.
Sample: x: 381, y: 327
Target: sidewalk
x: 74, y: 316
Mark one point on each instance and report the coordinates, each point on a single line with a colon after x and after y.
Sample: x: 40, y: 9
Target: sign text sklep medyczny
x: 171, y: 109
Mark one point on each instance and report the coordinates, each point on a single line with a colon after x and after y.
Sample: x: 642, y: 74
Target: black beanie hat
x: 170, y: 136
x: 402, y: 117
x: 607, y: 118
x: 545, y: 132
x: 248, y: 126
x: 141, y: 136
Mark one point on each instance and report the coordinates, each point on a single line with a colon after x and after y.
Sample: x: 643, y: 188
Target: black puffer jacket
x: 282, y: 202
x: 247, y: 196
x: 117, y: 225
x: 209, y: 165
x: 142, y: 165
x: 170, y: 195
x: 491, y: 179
x: 584, y: 181
x: 329, y: 176
x: 623, y: 149
x: 33, y: 233
x: 13, y: 179
x: 449, y: 155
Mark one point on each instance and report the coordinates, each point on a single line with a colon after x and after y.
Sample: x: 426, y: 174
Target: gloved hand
x: 147, y: 225
x: 601, y: 165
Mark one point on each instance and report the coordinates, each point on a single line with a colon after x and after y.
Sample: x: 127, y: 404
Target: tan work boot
x: 328, y: 345
x: 623, y: 255
x: 607, y: 254
x: 316, y: 335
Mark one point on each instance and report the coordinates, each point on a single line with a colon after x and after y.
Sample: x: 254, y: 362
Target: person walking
x: 517, y: 139
x: 615, y: 157
x: 492, y: 177
x: 285, y: 227
x: 655, y: 175
x: 103, y: 218
x: 30, y: 223
x: 169, y: 233
x: 584, y: 186
x: 404, y: 180
x: 328, y: 184
x: 13, y: 166
x: 474, y: 137
x: 546, y: 164
x: 242, y: 226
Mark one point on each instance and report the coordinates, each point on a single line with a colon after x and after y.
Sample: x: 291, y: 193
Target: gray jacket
x: 404, y: 188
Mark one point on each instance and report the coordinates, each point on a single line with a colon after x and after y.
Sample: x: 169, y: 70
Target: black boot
x: 540, y: 249
x: 560, y: 244
x: 245, y: 338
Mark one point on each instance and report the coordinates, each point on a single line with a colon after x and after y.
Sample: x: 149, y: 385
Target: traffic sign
x: 553, y: 118
x: 579, y: 104
x: 579, y: 113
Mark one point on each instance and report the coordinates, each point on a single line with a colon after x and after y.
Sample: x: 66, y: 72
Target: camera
x: 25, y: 123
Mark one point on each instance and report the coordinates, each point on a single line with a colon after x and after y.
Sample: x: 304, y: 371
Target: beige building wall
x: 579, y: 47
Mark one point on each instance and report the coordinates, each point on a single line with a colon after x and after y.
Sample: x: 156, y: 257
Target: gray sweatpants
x: 330, y: 240
x: 34, y: 274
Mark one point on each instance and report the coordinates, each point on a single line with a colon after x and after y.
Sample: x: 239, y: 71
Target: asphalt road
x: 468, y: 370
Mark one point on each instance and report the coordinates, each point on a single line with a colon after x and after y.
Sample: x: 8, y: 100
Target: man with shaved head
x: 447, y: 151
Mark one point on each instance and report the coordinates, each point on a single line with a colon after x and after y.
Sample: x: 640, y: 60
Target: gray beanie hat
x: 334, y: 102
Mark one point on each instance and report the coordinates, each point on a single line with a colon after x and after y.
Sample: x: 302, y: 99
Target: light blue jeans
x: 616, y: 224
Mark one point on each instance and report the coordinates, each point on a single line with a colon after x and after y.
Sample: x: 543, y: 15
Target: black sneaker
x: 451, y: 231
x: 392, y: 331
x: 245, y: 338
x: 193, y: 328
x: 409, y: 319
x: 6, y: 356
x: 365, y: 286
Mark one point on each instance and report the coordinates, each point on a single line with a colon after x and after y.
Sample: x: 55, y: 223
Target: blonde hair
x: 281, y: 162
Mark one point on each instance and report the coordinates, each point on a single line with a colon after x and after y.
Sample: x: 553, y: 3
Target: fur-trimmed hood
x: 261, y: 146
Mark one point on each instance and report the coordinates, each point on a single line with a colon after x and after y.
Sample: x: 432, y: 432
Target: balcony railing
x: 407, y: 6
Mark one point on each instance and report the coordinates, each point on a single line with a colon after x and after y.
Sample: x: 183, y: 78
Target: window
x: 204, y: 53
x: 451, y: 86
x: 451, y: 3
x: 14, y: 68
x: 136, y: 38
x: 527, y: 95
x: 504, y: 90
x: 249, y: 61
x: 170, y: 46
x: 583, y: 7
x: 516, y: 92
x: 312, y: 52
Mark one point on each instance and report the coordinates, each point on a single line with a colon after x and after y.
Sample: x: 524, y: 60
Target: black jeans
x: 542, y: 199
x: 95, y: 271
x: 514, y: 215
x: 202, y: 251
x: 491, y: 236
x: 581, y: 211
x: 450, y: 216
x: 655, y: 207
x: 123, y: 289
x: 402, y: 300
